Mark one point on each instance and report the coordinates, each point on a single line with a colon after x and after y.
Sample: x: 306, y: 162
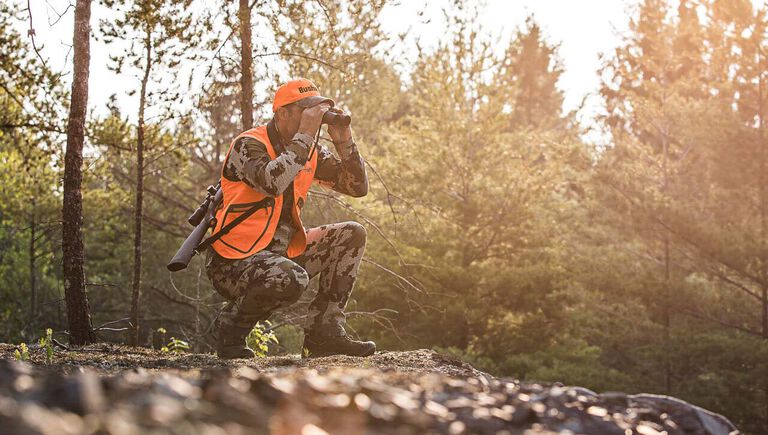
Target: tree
x: 78, y: 311
x: 32, y: 116
x: 335, y: 43
x: 653, y: 77
x: 167, y: 32
x: 246, y: 60
x: 527, y: 80
x: 680, y: 185
x: 472, y: 197
x: 752, y: 87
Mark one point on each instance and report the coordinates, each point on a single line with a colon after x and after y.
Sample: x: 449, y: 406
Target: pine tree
x: 246, y: 60
x: 530, y: 71
x: 78, y: 311
x: 33, y: 111
x: 167, y: 32
x: 475, y: 195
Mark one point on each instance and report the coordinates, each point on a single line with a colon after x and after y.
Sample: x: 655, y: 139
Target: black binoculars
x: 335, y: 118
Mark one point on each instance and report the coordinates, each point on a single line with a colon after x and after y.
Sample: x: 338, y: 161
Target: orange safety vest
x: 255, y: 232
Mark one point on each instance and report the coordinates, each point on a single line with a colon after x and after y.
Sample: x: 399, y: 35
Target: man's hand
x: 312, y: 118
x: 338, y: 133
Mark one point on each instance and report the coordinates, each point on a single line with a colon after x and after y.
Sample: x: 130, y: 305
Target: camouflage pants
x: 267, y: 281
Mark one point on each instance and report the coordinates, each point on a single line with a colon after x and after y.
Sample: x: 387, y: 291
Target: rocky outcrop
x: 415, y: 392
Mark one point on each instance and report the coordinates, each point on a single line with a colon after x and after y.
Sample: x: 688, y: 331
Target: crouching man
x: 265, y: 262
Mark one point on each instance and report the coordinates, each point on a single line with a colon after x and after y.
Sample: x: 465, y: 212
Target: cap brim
x: 314, y: 101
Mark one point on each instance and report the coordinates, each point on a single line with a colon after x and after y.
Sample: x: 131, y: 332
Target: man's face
x: 289, y: 118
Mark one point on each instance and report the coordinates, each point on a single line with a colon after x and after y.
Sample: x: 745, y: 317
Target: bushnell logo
x: 303, y: 89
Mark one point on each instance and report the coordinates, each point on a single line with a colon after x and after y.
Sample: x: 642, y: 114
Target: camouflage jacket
x: 250, y: 163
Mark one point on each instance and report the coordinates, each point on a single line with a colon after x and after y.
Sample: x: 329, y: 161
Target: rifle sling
x: 228, y: 227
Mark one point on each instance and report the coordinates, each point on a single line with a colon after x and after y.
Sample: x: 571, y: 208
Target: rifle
x: 201, y: 219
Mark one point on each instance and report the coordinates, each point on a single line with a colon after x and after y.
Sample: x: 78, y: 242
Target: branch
x: 60, y: 15
x: 175, y: 301
x: 384, y: 321
x: 303, y: 56
x: 31, y: 33
x: 103, y: 325
x: 395, y: 274
x: 721, y: 322
x: 362, y: 216
x: 713, y: 270
x: 702, y: 252
x: 189, y: 298
x: 224, y: 42
x: 165, y: 198
x: 330, y: 22
x: 386, y: 188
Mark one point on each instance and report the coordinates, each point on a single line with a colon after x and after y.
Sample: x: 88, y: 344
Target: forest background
x: 627, y: 253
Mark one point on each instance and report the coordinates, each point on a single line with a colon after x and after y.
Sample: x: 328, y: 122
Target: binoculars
x: 335, y: 118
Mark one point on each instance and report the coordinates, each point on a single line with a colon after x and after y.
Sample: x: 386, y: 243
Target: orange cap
x: 301, y: 90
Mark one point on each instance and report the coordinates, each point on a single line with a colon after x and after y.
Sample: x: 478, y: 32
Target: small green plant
x: 21, y: 353
x: 259, y: 338
x: 175, y: 346
x: 46, y: 343
x: 162, y: 333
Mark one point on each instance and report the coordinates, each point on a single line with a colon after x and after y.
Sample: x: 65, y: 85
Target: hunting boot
x: 324, y: 345
x: 230, y: 341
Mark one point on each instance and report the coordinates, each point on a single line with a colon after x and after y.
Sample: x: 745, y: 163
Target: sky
x: 583, y: 28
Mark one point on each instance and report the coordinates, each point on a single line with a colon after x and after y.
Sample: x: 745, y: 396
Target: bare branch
x: 31, y: 33
x: 59, y: 15
x: 393, y: 273
x: 303, y: 56
x: 703, y: 316
x: 113, y: 322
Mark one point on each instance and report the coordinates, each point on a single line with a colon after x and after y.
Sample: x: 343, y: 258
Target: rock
x: 79, y: 393
x: 325, y: 395
x: 690, y: 418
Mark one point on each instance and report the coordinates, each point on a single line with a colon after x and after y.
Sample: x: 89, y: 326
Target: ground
x: 107, y: 388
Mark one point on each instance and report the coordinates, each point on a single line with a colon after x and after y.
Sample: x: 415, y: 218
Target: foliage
x: 175, y: 346
x: 32, y: 119
x: 259, y: 338
x: 495, y: 232
x: 46, y: 343
x: 21, y: 353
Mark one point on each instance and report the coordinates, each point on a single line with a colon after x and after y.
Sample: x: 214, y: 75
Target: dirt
x: 112, y: 358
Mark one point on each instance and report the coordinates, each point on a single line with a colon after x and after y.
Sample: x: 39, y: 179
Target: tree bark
x: 667, y: 271
x: 138, y: 209
x: 78, y: 311
x: 246, y: 61
x: 762, y: 191
x: 763, y: 204
x: 32, y: 265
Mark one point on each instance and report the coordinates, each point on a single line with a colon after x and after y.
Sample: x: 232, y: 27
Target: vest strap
x: 228, y: 227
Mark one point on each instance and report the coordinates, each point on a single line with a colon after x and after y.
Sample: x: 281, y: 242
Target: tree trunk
x: 763, y: 202
x: 32, y: 265
x: 138, y: 209
x: 667, y: 277
x: 78, y: 312
x: 762, y: 191
x: 246, y: 61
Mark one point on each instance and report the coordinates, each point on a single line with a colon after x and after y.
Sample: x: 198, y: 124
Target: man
x: 266, y: 261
